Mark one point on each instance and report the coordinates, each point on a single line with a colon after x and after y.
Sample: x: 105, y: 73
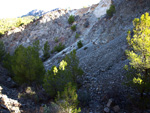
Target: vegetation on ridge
x: 10, y: 23
x: 71, y: 19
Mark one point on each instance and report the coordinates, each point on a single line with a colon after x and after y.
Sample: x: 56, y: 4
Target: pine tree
x: 46, y: 51
x: 26, y: 65
x: 139, y: 54
x: 70, y: 99
x: 36, y: 46
x: 68, y: 71
x: 56, y: 79
x: 73, y: 65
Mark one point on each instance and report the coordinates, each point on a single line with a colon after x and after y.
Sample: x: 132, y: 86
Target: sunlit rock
x: 101, y: 9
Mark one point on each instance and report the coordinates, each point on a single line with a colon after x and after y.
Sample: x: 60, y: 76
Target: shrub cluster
x: 62, y: 83
x: 58, y: 48
x: 73, y: 28
x: 77, y: 35
x: 56, y: 39
x: 46, y: 51
x: 68, y: 71
x: 111, y: 11
x: 25, y: 64
x: 68, y: 99
x: 79, y: 44
x: 71, y: 19
x: 8, y: 23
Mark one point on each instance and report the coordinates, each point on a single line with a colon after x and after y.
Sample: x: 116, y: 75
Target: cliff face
x: 102, y: 56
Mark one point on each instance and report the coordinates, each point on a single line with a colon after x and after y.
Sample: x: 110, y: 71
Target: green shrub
x: 111, y: 11
x: 71, y: 19
x: 73, y: 65
x: 52, y: 51
x: 68, y: 99
x: 59, y: 48
x: 56, y: 79
x: 7, y: 62
x: 73, y: 28
x: 139, y: 68
x: 19, y: 22
x: 56, y: 39
x: 46, y: 50
x: 36, y: 46
x: 77, y: 35
x: 9, y: 23
x: 79, y: 44
x: 2, y: 51
x: 25, y: 65
x: 68, y: 71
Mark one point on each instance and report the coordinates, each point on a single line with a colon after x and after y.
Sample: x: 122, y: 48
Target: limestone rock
x: 103, y: 6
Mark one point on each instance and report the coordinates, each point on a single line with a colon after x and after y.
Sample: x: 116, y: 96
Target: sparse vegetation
x: 68, y: 99
x: 111, y: 11
x: 73, y: 28
x: 56, y: 39
x: 71, y: 19
x: 9, y: 23
x: 56, y: 79
x: 77, y: 35
x: 139, y: 68
x: 73, y: 65
x: 58, y: 48
x: 79, y: 44
x: 28, y: 93
x: 46, y: 50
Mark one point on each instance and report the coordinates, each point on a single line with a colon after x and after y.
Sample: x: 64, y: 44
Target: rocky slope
x: 38, y: 13
x: 102, y: 57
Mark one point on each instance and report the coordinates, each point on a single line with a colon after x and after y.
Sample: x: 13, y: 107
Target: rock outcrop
x: 101, y: 9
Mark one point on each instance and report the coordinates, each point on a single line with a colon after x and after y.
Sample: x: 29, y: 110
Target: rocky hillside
x: 38, y: 13
x: 102, y: 56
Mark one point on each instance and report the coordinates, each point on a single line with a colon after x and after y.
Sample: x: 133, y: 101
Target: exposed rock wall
x: 103, y: 6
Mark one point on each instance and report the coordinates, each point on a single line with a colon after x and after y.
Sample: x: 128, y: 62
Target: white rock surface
x: 103, y: 6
